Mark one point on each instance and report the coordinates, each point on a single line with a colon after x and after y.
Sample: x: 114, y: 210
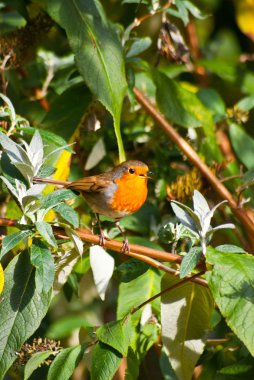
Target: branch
x: 139, y: 252
x: 186, y: 279
x: 221, y: 190
x: 114, y: 245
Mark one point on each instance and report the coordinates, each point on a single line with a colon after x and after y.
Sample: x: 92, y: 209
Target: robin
x: 117, y: 193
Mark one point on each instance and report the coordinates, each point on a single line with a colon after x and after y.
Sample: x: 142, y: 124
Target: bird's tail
x: 51, y: 181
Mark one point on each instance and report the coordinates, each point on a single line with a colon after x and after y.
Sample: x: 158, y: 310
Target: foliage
x: 73, y: 76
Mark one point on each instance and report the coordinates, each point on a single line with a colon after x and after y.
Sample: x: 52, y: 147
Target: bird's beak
x: 149, y: 175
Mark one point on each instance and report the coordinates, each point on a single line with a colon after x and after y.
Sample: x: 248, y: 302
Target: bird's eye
x: 131, y: 171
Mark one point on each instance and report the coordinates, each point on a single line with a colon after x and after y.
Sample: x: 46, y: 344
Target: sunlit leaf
x: 98, y: 53
x: 135, y: 292
x: 231, y: 282
x: 105, y: 361
x: 117, y: 334
x: 10, y: 241
x: 42, y: 260
x: 68, y: 214
x: 185, y: 317
x: 34, y: 362
x: 65, y: 362
x: 46, y: 232
x: 138, y: 46
x: 36, y: 151
x: 190, y: 260
x: 230, y: 248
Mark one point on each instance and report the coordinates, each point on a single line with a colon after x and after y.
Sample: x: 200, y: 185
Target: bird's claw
x: 102, y: 239
x: 125, y: 247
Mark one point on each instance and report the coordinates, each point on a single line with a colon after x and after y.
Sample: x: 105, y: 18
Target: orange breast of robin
x: 131, y: 193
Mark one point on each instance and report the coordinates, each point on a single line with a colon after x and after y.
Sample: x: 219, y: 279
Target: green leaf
x: 190, y: 260
x: 176, y: 103
x: 166, y: 367
x: 48, y: 136
x: 230, y: 248
x: 105, y: 361
x: 246, y: 104
x: 133, y: 293
x: 10, y: 241
x: 56, y: 197
x: 117, y: 334
x: 195, y: 11
x: 65, y: 362
x: 9, y: 170
x: 10, y: 106
x: 46, y: 171
x: 64, y: 266
x: 76, y: 240
x: 185, y: 316
x: 212, y: 100
x: 36, y: 151
x: 15, y: 152
x: 65, y: 114
x: 17, y: 155
x: 42, y: 260
x: 68, y: 214
x: 145, y: 338
x: 34, y: 362
x: 184, y: 108
x: 21, y: 308
x: 183, y: 13
x: 239, y: 368
x: 243, y: 145
x: 186, y: 216
x: 62, y: 328
x: 46, y: 232
x: 98, y: 53
x: 138, y: 46
x: 131, y: 269
x: 231, y: 282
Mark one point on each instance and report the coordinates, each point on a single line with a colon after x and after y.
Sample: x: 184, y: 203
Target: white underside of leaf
x: 102, y: 265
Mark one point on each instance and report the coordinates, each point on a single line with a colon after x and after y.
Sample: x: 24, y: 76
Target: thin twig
x: 2, y: 70
x: 139, y: 21
x: 220, y: 189
x: 193, y: 278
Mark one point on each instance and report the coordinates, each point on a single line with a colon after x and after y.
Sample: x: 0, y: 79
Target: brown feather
x: 91, y: 184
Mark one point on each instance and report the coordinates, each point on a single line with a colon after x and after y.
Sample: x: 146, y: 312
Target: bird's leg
x: 102, y: 236
x: 125, y: 247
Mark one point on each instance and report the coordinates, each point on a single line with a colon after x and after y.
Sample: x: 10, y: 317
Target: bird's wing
x: 91, y: 184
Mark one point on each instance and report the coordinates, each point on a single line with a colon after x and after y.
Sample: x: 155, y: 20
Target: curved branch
x: 243, y: 216
x: 114, y: 245
x: 139, y: 252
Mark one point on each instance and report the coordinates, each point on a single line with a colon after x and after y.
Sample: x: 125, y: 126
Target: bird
x: 117, y: 193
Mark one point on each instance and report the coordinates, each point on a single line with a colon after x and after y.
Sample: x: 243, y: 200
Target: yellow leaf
x: 1, y: 278
x: 62, y: 171
x: 245, y: 17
